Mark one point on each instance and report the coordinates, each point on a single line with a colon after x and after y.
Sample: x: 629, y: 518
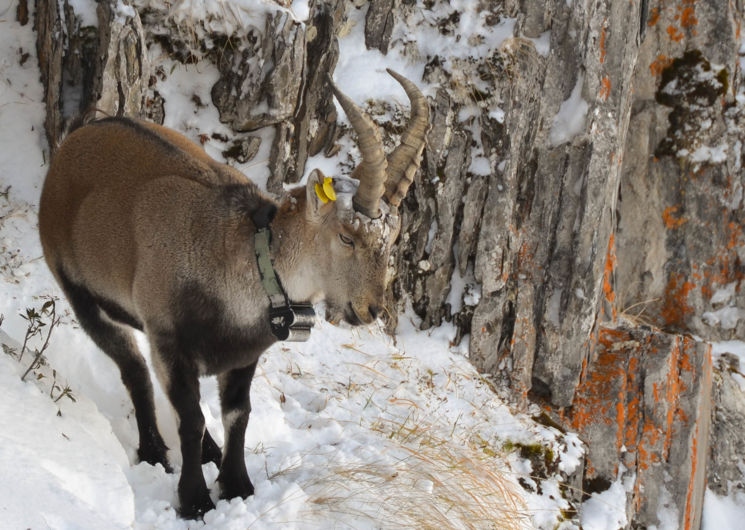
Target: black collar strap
x: 289, y: 321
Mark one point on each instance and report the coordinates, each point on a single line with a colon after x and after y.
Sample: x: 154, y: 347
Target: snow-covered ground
x: 351, y: 429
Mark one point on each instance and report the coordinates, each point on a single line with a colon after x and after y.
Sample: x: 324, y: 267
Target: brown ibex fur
x: 143, y: 230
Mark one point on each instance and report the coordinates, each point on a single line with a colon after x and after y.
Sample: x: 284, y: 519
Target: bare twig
x: 54, y: 320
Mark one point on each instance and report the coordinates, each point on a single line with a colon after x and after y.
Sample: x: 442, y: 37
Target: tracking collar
x: 289, y: 321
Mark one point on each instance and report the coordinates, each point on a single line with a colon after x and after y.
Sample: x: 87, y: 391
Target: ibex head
x: 354, y: 233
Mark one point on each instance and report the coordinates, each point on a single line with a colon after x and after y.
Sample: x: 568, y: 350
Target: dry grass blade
x: 638, y: 317
x: 434, y: 483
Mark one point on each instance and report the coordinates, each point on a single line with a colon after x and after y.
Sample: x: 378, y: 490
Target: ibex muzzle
x: 143, y: 230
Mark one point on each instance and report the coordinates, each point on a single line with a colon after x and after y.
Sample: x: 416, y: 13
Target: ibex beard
x: 144, y: 231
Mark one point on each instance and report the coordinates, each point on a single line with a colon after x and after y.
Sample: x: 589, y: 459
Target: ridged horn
x: 372, y: 170
x: 404, y: 161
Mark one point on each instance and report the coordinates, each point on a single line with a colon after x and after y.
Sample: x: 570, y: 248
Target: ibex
x: 143, y: 230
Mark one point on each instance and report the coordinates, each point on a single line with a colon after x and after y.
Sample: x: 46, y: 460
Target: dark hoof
x: 196, y: 507
x: 155, y: 454
x: 231, y: 487
x: 210, y: 451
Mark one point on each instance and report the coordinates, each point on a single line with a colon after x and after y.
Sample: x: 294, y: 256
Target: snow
x: 667, y: 511
x: 605, y: 510
x: 86, y: 11
x: 124, y: 12
x: 572, y: 457
x: 480, y: 165
x: 543, y: 43
x: 359, y: 68
x: 721, y: 513
x: 724, y: 294
x: 497, y: 114
x: 301, y: 9
x: 455, y: 295
x: 725, y: 317
x: 705, y: 153
x: 70, y: 470
x: 736, y: 348
x: 219, y: 16
x: 570, y: 119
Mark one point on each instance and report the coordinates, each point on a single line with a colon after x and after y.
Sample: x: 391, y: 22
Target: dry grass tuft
x: 637, y: 313
x: 434, y: 483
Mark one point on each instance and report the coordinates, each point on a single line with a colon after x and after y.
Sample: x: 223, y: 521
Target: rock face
x: 727, y: 447
x: 580, y: 205
x: 643, y: 407
x: 313, y: 126
x: 85, y: 67
x: 260, y: 76
x: 630, y: 212
x: 680, y: 239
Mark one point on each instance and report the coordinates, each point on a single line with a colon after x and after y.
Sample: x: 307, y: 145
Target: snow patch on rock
x: 570, y: 119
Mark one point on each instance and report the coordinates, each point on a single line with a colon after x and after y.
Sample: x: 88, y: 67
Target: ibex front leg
x: 180, y: 379
x: 235, y: 387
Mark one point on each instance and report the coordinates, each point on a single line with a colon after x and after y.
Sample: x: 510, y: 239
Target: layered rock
x: 86, y: 67
x: 680, y: 239
x: 643, y: 407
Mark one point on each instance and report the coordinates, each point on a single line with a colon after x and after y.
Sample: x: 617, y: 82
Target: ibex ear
x: 318, y: 201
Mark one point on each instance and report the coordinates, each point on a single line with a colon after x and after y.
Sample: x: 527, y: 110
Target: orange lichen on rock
x: 674, y: 33
x: 676, y: 308
x: 692, y: 481
x: 659, y: 64
x: 605, y: 88
x: 671, y: 222
x: 688, y: 17
x: 672, y: 393
x: 524, y: 256
x: 593, y: 396
x: 654, y: 16
x: 724, y: 268
x: 736, y: 238
x: 610, y: 267
x: 648, y: 442
x: 614, y: 384
x: 602, y: 42
x: 634, y: 405
x: 688, y: 523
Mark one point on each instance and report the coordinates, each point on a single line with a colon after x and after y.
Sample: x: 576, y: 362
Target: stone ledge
x: 644, y: 403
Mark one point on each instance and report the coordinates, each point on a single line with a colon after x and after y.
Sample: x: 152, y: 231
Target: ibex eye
x: 346, y: 240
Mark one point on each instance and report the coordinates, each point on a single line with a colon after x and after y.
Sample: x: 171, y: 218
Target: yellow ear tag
x: 321, y: 194
x: 326, y: 191
x: 328, y: 187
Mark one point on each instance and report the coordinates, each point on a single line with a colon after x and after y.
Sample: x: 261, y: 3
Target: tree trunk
x: 579, y: 209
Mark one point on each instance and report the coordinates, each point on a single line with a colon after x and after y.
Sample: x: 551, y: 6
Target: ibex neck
x: 290, y: 251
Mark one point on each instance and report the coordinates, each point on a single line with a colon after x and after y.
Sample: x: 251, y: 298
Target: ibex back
x: 143, y: 230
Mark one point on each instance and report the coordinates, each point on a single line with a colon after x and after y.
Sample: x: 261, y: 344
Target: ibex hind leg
x: 179, y: 377
x: 99, y: 319
x: 235, y: 389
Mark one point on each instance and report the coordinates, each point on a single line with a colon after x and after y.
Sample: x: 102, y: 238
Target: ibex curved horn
x: 372, y: 170
x: 404, y: 160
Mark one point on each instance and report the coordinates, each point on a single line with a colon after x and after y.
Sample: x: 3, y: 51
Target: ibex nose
x: 374, y: 311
